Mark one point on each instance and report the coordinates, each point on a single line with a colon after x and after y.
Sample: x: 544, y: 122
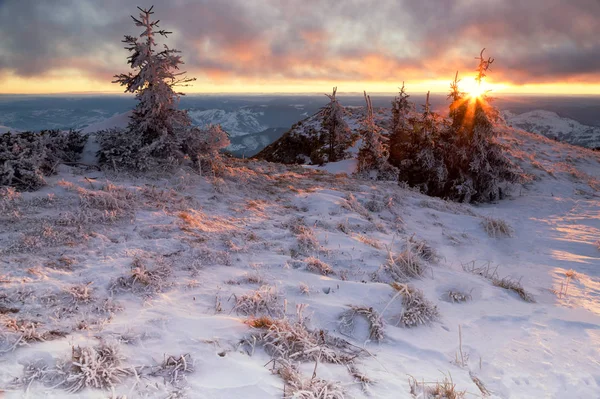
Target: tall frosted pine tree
x: 155, y: 74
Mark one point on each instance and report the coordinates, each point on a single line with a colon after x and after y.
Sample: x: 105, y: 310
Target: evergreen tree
x: 400, y: 134
x: 338, y: 135
x: 158, y: 135
x: 156, y: 117
x: 373, y: 154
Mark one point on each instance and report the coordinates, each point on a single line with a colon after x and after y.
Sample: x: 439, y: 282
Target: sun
x: 473, y: 88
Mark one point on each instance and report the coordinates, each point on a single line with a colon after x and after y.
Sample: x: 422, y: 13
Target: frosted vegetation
x: 167, y: 270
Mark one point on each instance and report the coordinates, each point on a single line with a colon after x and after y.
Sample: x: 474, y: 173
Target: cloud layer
x: 534, y: 41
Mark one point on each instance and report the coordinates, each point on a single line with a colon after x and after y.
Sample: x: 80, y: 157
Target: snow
x: 116, y: 121
x: 238, y: 227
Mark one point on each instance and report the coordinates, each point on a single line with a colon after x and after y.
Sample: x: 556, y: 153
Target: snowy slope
x: 208, y: 241
x: 116, y: 121
x: 553, y: 126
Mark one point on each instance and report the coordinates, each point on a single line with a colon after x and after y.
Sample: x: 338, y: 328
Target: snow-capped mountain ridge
x: 239, y: 122
x: 553, y: 126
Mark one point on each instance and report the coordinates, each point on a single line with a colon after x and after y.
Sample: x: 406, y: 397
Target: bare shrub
x: 496, y: 228
x: 174, y: 369
x: 265, y: 300
x: 455, y: 296
x: 376, y: 324
x: 514, y: 286
x: 318, y: 266
x: 298, y: 386
x: 436, y: 390
x: 417, y: 309
x: 143, y: 280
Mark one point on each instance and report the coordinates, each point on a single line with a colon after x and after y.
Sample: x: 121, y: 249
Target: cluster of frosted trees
x: 458, y: 159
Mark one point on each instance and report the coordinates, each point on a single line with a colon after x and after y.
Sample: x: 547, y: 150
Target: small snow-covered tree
x: 155, y: 75
x: 400, y: 134
x: 203, y: 145
x: 373, y: 153
x: 159, y: 135
x: 338, y: 135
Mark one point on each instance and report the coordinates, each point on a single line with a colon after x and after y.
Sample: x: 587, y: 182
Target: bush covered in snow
x: 25, y: 158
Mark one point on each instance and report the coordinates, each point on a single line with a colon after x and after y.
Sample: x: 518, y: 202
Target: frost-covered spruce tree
x: 157, y: 128
x: 480, y: 165
x: 373, y: 154
x: 422, y: 163
x: 338, y: 135
x: 401, y: 127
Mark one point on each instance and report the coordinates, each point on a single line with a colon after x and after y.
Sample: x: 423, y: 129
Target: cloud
x: 533, y: 41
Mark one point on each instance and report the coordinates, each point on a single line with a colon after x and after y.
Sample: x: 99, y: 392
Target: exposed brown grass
x: 496, y: 228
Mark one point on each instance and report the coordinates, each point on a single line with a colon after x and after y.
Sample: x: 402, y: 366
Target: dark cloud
x: 533, y: 41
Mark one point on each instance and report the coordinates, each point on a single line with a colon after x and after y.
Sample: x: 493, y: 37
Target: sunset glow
x: 275, y: 47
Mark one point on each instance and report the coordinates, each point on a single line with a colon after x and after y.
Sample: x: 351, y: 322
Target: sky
x: 270, y: 46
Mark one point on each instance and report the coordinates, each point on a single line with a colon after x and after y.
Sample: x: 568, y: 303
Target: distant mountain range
x: 253, y: 122
x: 553, y: 126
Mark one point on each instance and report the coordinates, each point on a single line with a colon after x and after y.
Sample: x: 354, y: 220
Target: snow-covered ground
x: 159, y: 267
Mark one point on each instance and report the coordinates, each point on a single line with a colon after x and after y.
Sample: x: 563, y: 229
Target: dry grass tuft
x: 435, y: 390
x: 409, y: 263
x: 97, y: 367
x: 514, y: 286
x: 368, y: 241
x: 417, y: 309
x: 174, y: 369
x: 376, y: 323
x: 94, y: 367
x: 143, y: 280
x: 298, y: 386
x: 265, y: 300
x: 496, y: 228
x: 9, y: 198
x: 113, y: 200
x: 260, y: 322
x: 318, y: 266
x: 351, y: 203
x: 491, y: 273
x: 81, y: 293
x: 293, y: 341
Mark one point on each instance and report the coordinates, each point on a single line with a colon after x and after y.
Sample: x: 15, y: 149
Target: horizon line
x: 110, y: 93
